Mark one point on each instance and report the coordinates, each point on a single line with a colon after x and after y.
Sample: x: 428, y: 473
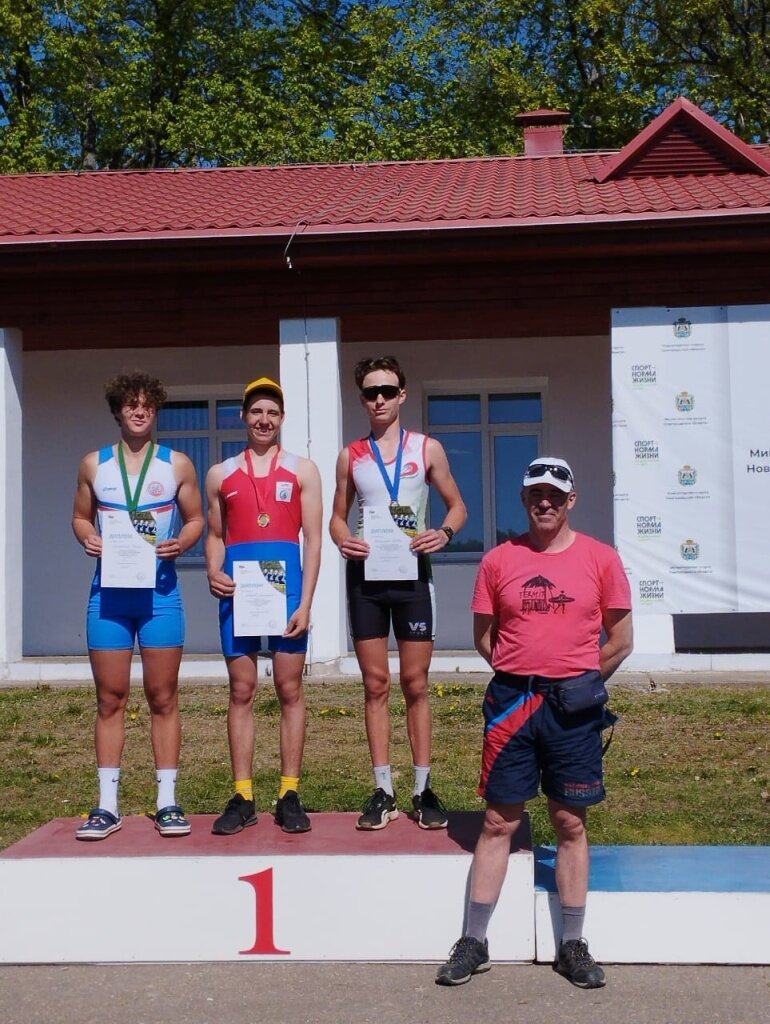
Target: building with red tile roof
x: 494, y: 271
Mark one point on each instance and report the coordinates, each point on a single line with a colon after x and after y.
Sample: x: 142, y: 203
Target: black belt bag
x: 580, y: 693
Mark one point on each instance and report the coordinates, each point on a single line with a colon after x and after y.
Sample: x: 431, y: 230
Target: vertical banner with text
x: 691, y: 454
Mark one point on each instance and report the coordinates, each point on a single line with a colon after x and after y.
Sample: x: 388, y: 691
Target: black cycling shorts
x: 373, y: 605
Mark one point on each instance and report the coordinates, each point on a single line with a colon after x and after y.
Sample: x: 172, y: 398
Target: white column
x: 11, y: 565
x: 310, y: 378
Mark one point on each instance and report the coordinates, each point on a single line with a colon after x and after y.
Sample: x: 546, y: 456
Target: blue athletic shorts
x: 528, y: 743
x: 118, y: 616
x: 264, y: 551
x: 373, y: 604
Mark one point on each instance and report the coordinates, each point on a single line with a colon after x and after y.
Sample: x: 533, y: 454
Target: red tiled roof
x: 328, y: 199
x: 684, y: 140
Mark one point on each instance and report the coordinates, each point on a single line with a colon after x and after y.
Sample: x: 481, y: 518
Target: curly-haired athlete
x: 140, y: 486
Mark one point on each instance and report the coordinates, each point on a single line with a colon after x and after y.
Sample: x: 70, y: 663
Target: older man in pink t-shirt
x: 540, y: 604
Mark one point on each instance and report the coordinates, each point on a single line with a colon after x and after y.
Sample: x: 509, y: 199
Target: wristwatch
x: 448, y: 531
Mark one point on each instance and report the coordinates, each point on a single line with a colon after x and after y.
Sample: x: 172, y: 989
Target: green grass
x: 687, y: 765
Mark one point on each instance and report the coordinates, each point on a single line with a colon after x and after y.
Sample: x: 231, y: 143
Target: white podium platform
x: 666, y: 904
x: 331, y: 894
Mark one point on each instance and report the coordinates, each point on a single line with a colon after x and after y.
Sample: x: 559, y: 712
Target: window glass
x: 231, y: 448
x: 197, y: 450
x: 490, y: 438
x: 184, y: 416
x: 463, y: 449
x: 525, y: 407
x: 445, y: 410
x: 184, y: 427
x: 229, y: 416
x: 512, y: 454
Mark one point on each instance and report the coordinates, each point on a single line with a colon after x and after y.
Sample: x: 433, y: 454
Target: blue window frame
x: 490, y: 436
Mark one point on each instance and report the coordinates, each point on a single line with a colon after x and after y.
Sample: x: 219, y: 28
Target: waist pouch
x: 579, y: 693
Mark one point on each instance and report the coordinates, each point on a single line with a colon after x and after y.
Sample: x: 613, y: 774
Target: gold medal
x: 263, y: 519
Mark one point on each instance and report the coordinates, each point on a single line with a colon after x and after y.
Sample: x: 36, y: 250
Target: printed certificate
x: 128, y: 558
x: 259, y: 603
x: 389, y: 554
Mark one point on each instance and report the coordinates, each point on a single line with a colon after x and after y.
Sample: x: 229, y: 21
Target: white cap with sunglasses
x: 548, y: 470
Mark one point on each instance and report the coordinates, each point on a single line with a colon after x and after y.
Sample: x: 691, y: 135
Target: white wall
x: 65, y: 416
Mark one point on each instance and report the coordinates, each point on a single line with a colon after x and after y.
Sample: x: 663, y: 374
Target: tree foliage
x: 157, y: 83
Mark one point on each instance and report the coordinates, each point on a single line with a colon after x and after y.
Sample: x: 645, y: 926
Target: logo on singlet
x: 409, y: 469
x: 538, y: 596
x: 155, y: 488
x: 283, y: 490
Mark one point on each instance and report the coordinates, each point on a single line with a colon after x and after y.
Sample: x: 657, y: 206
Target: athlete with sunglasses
x: 392, y: 469
x: 540, y: 605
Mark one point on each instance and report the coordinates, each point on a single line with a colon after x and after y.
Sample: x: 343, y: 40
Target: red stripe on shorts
x: 498, y: 736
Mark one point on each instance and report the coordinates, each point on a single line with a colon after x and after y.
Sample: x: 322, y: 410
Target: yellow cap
x: 264, y: 384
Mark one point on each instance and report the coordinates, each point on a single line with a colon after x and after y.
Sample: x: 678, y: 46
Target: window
x: 490, y: 437
x: 207, y: 431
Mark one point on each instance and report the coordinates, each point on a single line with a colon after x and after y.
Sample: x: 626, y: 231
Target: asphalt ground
x: 301, y: 993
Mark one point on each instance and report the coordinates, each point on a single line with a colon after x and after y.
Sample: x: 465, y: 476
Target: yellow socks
x: 245, y: 788
x: 287, y: 783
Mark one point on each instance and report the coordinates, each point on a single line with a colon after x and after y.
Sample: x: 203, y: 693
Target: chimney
x: 543, y: 131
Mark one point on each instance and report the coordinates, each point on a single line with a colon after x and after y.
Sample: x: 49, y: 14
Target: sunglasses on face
x: 388, y: 392
x: 557, y: 471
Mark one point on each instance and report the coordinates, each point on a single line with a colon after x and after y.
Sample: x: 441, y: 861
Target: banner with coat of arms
x: 691, y: 456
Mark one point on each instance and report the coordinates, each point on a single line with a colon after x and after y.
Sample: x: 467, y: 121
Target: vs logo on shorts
x: 283, y: 490
x: 418, y: 627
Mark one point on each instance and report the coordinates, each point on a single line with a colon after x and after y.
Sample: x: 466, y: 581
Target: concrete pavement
x: 300, y: 993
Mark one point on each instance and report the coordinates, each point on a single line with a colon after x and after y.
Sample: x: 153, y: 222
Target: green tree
x: 158, y: 83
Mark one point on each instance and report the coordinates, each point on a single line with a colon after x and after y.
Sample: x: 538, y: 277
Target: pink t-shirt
x: 549, y: 606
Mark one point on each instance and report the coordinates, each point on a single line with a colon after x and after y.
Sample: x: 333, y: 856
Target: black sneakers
x: 290, y: 814
x: 429, y: 811
x: 576, y: 963
x: 468, y: 957
x: 379, y: 809
x: 238, y: 815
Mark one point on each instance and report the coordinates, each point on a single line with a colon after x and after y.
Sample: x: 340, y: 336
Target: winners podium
x: 343, y: 895
x: 330, y: 894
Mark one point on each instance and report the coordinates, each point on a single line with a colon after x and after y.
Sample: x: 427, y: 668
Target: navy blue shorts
x: 373, y: 604
x: 529, y: 743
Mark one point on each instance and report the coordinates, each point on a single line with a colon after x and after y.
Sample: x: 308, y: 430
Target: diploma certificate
x: 128, y: 559
x: 389, y: 555
x: 259, y: 602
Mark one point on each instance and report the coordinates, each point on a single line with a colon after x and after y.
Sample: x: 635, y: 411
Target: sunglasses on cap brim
x: 559, y: 472
x: 388, y: 391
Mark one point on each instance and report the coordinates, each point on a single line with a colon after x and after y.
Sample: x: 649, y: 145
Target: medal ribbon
x: 253, y: 478
x: 132, y: 500
x: 393, y: 485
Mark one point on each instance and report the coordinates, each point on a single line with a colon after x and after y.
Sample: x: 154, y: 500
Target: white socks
x: 383, y: 778
x: 166, y: 787
x: 108, y: 789
x: 421, y: 779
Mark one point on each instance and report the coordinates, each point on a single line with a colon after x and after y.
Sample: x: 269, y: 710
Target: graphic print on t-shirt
x: 537, y: 596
